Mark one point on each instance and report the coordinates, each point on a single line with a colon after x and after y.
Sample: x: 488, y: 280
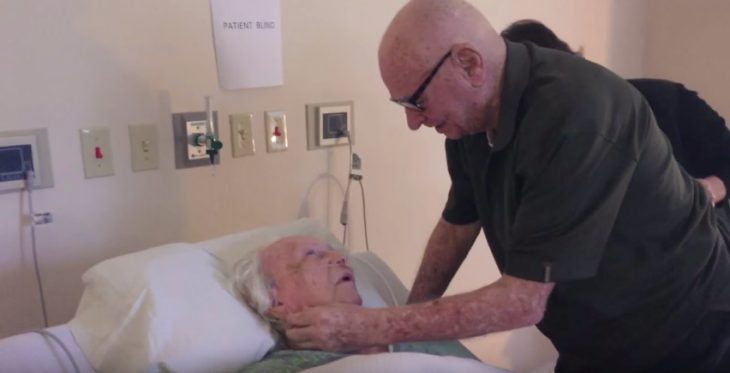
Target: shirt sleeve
x: 460, y: 207
x: 705, y: 137
x: 567, y: 210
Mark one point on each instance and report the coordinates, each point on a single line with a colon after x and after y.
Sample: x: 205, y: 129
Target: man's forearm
x: 509, y: 303
x: 447, y: 247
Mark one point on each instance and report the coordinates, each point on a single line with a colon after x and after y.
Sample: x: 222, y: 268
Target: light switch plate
x: 242, y: 141
x: 96, y: 152
x: 276, y: 138
x: 144, y: 145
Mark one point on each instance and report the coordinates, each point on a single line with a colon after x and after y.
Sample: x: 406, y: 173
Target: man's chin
x: 451, y: 132
x: 454, y: 135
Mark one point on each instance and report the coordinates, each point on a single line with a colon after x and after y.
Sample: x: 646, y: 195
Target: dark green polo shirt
x: 580, y: 188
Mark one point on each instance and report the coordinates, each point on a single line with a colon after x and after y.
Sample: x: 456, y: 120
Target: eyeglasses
x: 411, y: 102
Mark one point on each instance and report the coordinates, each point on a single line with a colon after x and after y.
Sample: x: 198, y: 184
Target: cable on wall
x: 29, y: 180
x: 344, y: 212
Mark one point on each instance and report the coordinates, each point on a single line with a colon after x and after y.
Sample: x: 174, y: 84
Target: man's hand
x: 715, y: 188
x: 337, y: 327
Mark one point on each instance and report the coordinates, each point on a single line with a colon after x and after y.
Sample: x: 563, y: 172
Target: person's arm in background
x: 706, y: 140
x: 447, y: 248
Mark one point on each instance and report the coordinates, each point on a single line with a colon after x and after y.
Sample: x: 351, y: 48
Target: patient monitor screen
x: 335, y: 124
x: 14, y: 162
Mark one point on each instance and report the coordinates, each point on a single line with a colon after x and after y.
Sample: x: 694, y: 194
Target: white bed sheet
x: 404, y: 362
x: 34, y: 353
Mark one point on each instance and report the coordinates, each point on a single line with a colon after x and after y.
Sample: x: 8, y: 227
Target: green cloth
x: 289, y: 361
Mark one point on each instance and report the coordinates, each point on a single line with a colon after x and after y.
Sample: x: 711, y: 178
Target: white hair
x: 249, y: 280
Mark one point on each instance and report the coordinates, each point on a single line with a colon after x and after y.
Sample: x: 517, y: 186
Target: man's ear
x: 471, y: 64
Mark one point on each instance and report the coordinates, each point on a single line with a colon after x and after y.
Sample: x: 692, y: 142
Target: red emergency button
x: 99, y: 154
x: 277, y: 132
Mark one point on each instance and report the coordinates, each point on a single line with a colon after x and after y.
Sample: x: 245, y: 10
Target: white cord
x: 48, y: 334
x: 29, y: 180
x: 343, y: 212
x: 364, y: 215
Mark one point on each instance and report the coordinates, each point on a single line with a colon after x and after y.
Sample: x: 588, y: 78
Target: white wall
x: 687, y: 42
x: 70, y: 64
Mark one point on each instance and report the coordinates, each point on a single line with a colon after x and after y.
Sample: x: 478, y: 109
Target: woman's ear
x: 471, y: 63
x: 278, y: 312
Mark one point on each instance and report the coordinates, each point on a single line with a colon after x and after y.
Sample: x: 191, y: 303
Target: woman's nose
x: 336, y: 258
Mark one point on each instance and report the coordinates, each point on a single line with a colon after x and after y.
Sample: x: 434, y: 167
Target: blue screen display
x: 334, y: 125
x: 15, y: 161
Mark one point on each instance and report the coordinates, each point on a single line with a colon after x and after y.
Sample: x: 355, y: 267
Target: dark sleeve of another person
x: 705, y: 136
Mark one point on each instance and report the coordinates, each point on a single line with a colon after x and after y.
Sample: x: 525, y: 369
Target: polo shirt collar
x: 515, y: 78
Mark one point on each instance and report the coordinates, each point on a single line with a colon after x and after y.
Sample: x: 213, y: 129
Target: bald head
x: 462, y: 95
x: 424, y: 29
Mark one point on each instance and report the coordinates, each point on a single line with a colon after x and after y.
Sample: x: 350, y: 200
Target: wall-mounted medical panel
x: 96, y: 152
x: 22, y: 151
x: 186, y: 128
x: 328, y: 124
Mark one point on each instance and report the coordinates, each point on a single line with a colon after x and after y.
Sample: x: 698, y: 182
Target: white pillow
x: 173, y: 305
x: 167, y: 305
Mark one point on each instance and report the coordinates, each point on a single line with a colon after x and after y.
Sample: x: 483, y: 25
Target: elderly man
x: 298, y: 272
x: 603, y: 241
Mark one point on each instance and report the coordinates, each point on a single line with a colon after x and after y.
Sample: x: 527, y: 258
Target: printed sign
x: 247, y: 36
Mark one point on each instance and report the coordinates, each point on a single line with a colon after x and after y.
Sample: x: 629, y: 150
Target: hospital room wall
x: 71, y: 64
x: 688, y: 45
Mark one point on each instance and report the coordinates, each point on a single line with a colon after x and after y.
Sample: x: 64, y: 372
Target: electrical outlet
x: 96, y: 152
x: 276, y: 138
x: 242, y: 141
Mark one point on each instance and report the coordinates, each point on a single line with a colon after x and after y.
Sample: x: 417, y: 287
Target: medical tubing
x: 29, y: 180
x: 208, y: 117
x: 48, y: 334
x: 364, y: 215
x: 343, y: 211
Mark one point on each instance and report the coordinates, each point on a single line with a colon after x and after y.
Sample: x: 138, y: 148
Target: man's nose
x: 414, y: 119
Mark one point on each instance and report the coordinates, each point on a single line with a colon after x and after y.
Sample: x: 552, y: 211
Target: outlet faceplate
x: 96, y: 152
x: 242, y: 142
x: 276, y: 136
x: 144, y: 145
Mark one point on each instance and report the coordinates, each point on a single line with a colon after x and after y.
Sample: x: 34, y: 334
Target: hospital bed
x: 172, y: 308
